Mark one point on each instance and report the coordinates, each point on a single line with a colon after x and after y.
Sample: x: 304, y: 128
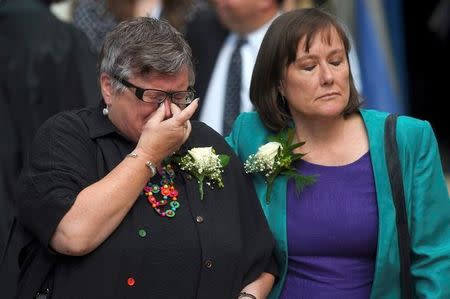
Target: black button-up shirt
x: 147, y: 256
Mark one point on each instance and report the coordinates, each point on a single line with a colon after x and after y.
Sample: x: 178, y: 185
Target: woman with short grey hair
x: 119, y: 200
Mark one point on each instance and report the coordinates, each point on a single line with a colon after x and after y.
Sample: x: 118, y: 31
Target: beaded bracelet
x: 246, y: 295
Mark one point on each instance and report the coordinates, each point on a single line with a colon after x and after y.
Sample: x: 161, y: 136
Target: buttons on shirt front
x: 208, y: 264
x: 131, y: 281
x: 142, y: 233
x: 189, y: 177
x: 199, y: 219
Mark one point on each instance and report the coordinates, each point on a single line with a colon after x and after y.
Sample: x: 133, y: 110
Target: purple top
x: 332, y: 230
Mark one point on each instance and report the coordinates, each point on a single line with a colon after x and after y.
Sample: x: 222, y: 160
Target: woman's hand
x: 162, y: 136
x: 260, y: 288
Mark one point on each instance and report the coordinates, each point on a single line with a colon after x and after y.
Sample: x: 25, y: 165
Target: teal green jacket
x: 427, y: 204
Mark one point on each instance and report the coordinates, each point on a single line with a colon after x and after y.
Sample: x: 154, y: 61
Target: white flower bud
x: 205, y: 159
x: 201, y: 154
x: 268, y: 151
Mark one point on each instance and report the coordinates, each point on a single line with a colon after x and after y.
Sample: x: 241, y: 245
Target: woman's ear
x: 106, y: 88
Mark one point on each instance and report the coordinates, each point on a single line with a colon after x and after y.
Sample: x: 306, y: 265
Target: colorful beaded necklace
x: 167, y: 206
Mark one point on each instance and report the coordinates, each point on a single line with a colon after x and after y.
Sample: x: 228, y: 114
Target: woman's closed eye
x: 336, y: 62
x: 308, y: 67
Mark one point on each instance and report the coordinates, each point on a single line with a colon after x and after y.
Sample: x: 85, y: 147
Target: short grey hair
x: 141, y: 46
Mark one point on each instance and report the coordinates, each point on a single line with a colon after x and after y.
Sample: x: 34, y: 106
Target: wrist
x: 148, y: 163
x: 147, y: 155
x: 243, y: 295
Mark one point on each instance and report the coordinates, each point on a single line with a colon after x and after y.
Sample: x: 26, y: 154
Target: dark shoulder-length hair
x: 278, y: 50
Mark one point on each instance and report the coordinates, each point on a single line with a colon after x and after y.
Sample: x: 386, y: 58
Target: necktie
x: 233, y: 88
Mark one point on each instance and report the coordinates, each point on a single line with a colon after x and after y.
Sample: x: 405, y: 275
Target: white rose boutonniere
x: 275, y: 158
x: 264, y: 159
x: 205, y: 165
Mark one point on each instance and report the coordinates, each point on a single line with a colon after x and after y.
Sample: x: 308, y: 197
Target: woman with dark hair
x: 111, y: 210
x: 337, y: 237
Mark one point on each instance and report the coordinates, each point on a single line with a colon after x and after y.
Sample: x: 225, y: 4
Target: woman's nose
x: 326, y: 75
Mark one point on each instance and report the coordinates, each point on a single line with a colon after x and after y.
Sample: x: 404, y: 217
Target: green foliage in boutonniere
x: 205, y: 165
x: 276, y: 157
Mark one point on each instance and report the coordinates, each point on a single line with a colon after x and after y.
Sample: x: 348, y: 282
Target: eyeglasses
x: 156, y: 96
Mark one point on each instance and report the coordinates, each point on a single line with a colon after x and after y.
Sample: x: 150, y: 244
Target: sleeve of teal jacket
x: 430, y: 220
x: 233, y: 141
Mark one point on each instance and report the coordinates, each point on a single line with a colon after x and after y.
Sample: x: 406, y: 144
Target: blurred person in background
x: 46, y: 67
x: 98, y: 17
x: 229, y: 31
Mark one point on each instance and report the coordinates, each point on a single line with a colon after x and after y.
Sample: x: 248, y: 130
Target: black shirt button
x: 208, y: 264
x: 199, y: 219
x: 189, y: 177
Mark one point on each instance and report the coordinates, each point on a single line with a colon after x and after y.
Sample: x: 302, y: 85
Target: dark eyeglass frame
x: 139, y: 93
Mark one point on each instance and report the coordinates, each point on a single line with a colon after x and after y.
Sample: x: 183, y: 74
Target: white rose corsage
x: 275, y: 158
x: 205, y: 165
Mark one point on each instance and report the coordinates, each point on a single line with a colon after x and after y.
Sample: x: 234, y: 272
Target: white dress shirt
x: 214, y: 101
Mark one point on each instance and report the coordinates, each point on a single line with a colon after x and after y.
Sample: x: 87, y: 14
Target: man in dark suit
x: 46, y: 67
x: 213, y: 35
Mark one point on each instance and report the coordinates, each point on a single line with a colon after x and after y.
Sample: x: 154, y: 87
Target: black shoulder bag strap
x: 396, y: 180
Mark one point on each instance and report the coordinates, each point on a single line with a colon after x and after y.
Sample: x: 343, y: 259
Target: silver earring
x: 105, y: 111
